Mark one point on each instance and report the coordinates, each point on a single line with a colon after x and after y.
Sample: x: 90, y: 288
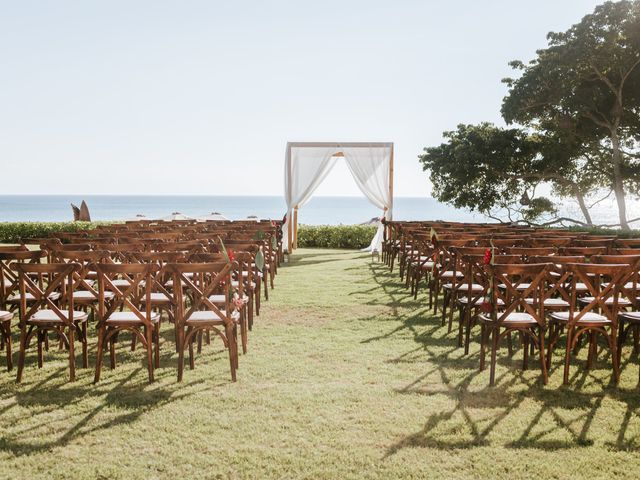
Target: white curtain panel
x: 370, y: 169
x: 305, y: 169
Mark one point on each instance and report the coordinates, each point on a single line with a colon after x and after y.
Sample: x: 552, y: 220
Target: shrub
x: 335, y: 236
x: 14, y: 232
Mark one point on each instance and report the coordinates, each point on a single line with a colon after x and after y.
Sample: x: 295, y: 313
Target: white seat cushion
x: 589, y: 317
x: 551, y: 302
x: 49, y: 316
x: 30, y: 298
x: 129, y: 317
x: 623, y: 302
x: 630, y: 316
x: 523, y: 286
x: 451, y: 273
x: 84, y: 295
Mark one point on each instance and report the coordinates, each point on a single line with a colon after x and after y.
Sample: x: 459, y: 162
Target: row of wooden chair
x: 203, y: 287
x: 541, y: 285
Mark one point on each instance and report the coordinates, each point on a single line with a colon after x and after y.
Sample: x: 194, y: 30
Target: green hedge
x: 335, y: 236
x: 14, y: 232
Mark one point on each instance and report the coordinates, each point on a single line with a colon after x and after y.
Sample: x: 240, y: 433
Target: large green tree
x: 584, y: 91
x: 497, y: 172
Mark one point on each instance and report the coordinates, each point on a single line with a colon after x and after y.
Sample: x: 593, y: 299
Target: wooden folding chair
x: 138, y: 318
x: 511, y: 286
x: 40, y: 313
x: 597, y: 316
x: 203, y: 314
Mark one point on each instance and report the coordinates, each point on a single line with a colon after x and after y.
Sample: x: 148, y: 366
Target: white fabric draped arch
x: 308, y: 164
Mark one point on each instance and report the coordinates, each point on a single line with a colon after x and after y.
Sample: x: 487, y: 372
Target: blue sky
x: 200, y: 97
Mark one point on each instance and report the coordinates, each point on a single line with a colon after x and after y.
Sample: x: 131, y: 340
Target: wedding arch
x: 308, y: 163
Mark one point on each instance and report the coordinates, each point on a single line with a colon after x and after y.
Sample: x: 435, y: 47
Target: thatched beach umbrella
x: 175, y: 216
x: 213, y: 216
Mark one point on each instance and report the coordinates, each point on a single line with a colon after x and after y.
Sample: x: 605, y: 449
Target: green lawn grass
x: 347, y: 377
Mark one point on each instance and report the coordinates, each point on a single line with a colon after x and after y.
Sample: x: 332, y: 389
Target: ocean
x: 319, y: 210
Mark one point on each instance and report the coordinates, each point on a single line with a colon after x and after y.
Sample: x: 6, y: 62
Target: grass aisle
x: 347, y: 377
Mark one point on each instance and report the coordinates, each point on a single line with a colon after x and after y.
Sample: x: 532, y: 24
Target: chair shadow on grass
x: 122, y: 398
x: 561, y: 417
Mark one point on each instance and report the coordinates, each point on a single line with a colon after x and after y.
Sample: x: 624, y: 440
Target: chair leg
x: 85, y: 353
x: 525, y: 356
x: 567, y: 355
x: 483, y: 339
x: 621, y: 339
x: 40, y: 341
x: 23, y: 348
x: 233, y: 352
x: 494, y: 352
x: 72, y: 354
x: 191, y: 359
x: 614, y: 358
x: 6, y: 336
x: 592, y: 349
x: 452, y: 307
x: 243, y: 331
x: 467, y: 332
x: 156, y: 345
x: 112, y: 351
x: 149, y: 339
x: 543, y: 361
x: 180, y: 345
x: 445, y: 301
x: 99, y: 353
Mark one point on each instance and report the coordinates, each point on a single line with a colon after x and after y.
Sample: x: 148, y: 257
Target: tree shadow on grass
x: 555, y: 418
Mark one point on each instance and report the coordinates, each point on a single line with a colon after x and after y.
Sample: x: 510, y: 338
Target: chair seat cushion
x: 5, y: 316
x: 159, y: 298
x: 15, y: 298
x: 521, y: 287
x: 84, y: 296
x: 235, y: 284
x: 479, y: 301
x: 207, y: 316
x: 514, y: 318
x: 129, y: 318
x: 121, y: 283
x: 551, y: 302
x: 463, y: 287
x: 623, y: 302
x: 630, y: 316
x: 451, y: 273
x: 49, y: 316
x: 589, y: 317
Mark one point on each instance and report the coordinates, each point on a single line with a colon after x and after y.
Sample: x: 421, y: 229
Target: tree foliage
x: 584, y: 90
x: 577, y: 106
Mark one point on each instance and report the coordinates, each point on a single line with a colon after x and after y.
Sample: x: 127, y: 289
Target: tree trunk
x: 583, y: 206
x: 618, y: 187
